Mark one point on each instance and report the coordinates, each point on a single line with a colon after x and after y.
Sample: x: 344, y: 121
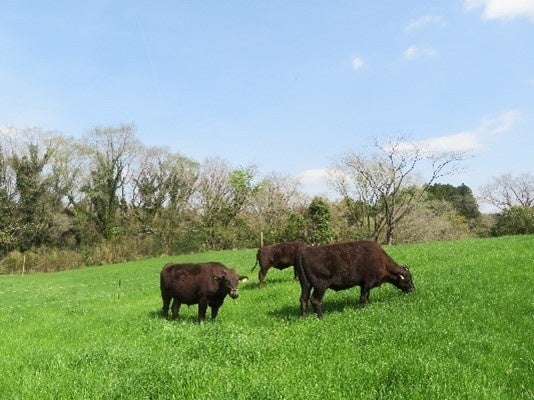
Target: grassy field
x: 95, y: 333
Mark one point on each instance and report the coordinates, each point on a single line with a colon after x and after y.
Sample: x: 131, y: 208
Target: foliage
x: 293, y: 228
x: 110, y: 152
x: 352, y: 220
x: 107, y: 198
x: 278, y: 210
x: 431, y: 221
x: 222, y: 195
x: 516, y: 220
x: 461, y: 198
x: 320, y: 222
x: 96, y: 333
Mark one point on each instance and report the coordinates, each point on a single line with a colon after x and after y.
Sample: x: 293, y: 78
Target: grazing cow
x: 204, y: 284
x: 280, y: 256
x: 344, y: 265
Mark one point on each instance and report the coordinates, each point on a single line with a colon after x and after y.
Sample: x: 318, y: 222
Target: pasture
x: 96, y: 333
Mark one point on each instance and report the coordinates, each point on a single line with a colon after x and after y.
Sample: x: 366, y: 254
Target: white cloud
x: 424, y: 21
x: 500, y: 124
x: 497, y: 9
x: 413, y: 52
x: 357, y: 63
x: 471, y: 140
x: 462, y: 141
x: 314, y: 182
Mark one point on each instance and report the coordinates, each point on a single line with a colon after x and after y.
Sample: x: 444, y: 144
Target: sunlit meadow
x: 96, y: 333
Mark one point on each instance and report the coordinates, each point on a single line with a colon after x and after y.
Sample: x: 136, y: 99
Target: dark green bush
x: 516, y: 220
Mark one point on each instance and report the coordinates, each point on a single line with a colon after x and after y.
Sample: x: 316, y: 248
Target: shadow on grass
x: 155, y: 314
x: 253, y: 282
x: 330, y: 305
x: 189, y: 317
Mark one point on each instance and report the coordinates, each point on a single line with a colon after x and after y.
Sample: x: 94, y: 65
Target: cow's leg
x: 261, y: 276
x: 202, y: 307
x: 175, y: 308
x: 295, y: 276
x: 166, y: 304
x: 215, y: 309
x: 364, y: 295
x: 316, y: 298
x: 304, y: 298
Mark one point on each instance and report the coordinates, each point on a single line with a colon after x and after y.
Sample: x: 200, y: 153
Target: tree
x: 432, y: 220
x: 320, y: 222
x: 109, y: 154
x: 8, y: 225
x: 515, y: 220
x: 507, y: 191
x: 276, y: 209
x: 222, y: 194
x: 383, y: 185
x: 34, y: 187
x: 162, y: 191
x: 31, y: 206
x: 461, y: 198
x: 293, y: 227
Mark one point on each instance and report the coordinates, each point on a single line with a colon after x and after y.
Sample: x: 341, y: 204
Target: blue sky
x: 285, y: 85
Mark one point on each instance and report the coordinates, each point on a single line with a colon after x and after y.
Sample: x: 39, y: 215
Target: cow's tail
x: 162, y: 284
x: 301, y: 273
x: 257, y: 260
x: 255, y: 264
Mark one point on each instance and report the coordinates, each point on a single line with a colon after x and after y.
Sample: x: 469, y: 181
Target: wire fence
x: 121, y: 288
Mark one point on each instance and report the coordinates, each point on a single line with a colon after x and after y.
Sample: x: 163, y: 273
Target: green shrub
x: 516, y: 220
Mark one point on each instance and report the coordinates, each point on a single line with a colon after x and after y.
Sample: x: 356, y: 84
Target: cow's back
x: 342, y: 265
x: 283, y: 254
x: 186, y: 282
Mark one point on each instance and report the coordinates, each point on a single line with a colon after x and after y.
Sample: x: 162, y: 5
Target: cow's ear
x: 218, y: 277
x: 243, y: 278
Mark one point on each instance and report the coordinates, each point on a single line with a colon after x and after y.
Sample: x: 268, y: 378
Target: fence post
x: 261, y: 239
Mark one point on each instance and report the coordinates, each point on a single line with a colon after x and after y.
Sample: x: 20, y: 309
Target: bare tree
x: 161, y: 193
x: 278, y: 197
x: 506, y: 191
x: 222, y: 193
x: 382, y: 186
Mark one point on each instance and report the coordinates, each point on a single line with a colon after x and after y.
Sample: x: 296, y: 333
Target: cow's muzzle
x: 410, y: 289
x: 234, y: 293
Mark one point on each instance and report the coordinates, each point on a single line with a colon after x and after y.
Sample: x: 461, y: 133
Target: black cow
x: 205, y: 284
x: 279, y: 256
x: 344, y: 265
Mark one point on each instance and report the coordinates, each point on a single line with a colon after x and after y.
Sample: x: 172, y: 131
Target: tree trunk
x: 389, y: 235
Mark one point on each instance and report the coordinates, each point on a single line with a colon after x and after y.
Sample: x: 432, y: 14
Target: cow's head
x: 403, y: 279
x: 228, y: 280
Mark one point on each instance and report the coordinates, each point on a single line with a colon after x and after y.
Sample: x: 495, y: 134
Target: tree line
x: 106, y: 197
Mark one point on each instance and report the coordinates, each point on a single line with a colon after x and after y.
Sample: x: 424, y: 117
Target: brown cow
x: 344, y: 265
x: 280, y: 256
x: 204, y: 284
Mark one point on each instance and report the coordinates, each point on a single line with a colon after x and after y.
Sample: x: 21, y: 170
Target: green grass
x: 95, y: 333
